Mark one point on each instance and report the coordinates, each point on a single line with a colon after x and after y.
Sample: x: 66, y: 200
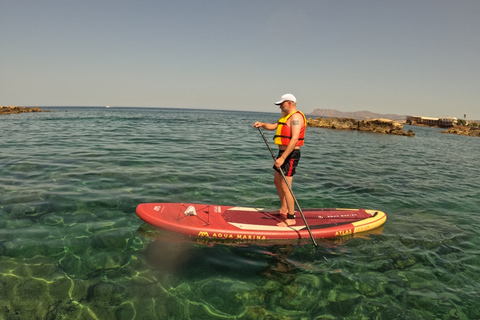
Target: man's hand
x: 279, y: 162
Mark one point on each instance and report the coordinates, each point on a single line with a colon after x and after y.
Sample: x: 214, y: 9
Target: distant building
x: 414, y: 119
x: 432, y: 122
x: 447, y: 121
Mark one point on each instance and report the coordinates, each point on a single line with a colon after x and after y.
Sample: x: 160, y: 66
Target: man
x: 289, y: 138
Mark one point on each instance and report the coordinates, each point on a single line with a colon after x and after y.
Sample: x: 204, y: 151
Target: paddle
x: 289, y: 188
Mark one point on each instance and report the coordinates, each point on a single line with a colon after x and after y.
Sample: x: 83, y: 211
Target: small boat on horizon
x: 107, y: 107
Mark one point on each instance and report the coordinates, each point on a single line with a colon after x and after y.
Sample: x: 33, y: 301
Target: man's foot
x: 287, y: 223
x: 279, y: 213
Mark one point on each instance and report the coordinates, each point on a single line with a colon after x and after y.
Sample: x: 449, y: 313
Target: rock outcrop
x: 375, y: 125
x: 15, y: 109
x: 361, y: 115
x: 463, y: 131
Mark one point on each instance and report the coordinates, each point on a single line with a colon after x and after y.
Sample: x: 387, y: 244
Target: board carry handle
x: 289, y: 188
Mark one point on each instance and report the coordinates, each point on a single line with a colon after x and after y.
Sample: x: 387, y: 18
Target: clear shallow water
x: 72, y: 247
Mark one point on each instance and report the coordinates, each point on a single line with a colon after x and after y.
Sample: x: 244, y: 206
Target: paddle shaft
x: 289, y: 188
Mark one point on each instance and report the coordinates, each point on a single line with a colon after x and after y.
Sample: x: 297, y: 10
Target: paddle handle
x: 289, y: 188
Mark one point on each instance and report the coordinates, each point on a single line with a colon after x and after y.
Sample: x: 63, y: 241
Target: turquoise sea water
x: 72, y: 247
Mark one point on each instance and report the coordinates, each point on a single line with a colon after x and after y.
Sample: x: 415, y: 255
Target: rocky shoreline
x: 15, y: 109
x: 375, y: 125
x: 463, y: 131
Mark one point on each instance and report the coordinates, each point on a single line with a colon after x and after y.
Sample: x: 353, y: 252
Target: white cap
x: 287, y: 97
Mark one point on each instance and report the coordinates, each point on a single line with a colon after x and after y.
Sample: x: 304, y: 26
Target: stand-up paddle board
x: 228, y: 222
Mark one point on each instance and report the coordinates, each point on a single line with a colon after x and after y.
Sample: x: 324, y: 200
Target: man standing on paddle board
x: 289, y: 137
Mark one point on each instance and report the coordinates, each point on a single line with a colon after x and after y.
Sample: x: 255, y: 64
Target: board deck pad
x: 228, y: 222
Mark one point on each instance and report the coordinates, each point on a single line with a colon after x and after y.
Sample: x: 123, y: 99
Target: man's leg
x: 279, y: 184
x: 287, y: 201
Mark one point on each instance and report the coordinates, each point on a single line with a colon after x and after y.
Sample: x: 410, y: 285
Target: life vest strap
x: 280, y: 136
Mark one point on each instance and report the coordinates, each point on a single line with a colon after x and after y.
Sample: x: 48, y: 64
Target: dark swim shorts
x: 290, y: 164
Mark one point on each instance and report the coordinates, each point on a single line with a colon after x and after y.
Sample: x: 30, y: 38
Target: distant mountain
x: 359, y: 115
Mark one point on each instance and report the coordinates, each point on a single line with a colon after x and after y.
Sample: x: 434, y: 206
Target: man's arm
x: 266, y: 126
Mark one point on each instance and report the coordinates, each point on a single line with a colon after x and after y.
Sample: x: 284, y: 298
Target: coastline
x: 458, y: 130
x: 384, y: 126
x: 16, y: 109
x: 463, y: 131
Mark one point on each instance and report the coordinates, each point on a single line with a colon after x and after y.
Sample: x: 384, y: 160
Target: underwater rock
x: 24, y: 248
x: 92, y: 264
x: 368, y: 289
x: 272, y: 286
x: 28, y: 298
x: 39, y: 268
x: 310, y: 280
x: 126, y: 311
x: 60, y: 287
x: 109, y: 240
x: 22, y: 210
x: 106, y: 261
x: 71, y: 264
x: 79, y: 289
x: 52, y: 220
x: 70, y: 308
x: 223, y: 294
x: 7, y: 235
x: 343, y: 309
x: 299, y: 297
x: 371, y: 284
x: 3, y: 217
x: 256, y: 313
x: 106, y: 293
x: 23, y: 167
x: 426, y: 301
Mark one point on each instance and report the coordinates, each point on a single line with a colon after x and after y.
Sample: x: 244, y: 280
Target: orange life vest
x: 284, y: 132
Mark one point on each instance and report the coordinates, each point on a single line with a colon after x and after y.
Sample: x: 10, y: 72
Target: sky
x: 412, y: 57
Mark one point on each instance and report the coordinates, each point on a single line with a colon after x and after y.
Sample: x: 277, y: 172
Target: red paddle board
x: 228, y: 222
